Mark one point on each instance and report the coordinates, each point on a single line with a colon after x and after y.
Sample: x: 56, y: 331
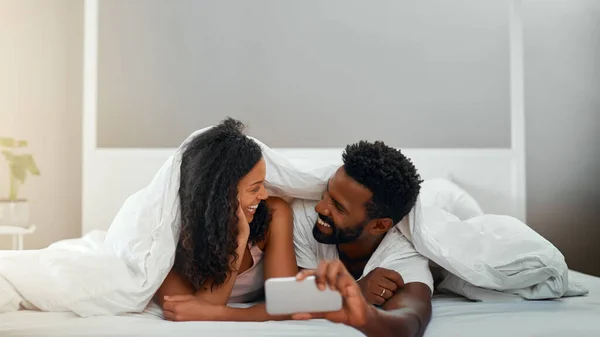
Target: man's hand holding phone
x: 331, y: 279
x: 355, y: 310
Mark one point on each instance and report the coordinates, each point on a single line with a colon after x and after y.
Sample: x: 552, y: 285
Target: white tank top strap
x: 256, y: 254
x: 249, y: 284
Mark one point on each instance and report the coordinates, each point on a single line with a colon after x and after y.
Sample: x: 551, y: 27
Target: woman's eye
x: 256, y: 189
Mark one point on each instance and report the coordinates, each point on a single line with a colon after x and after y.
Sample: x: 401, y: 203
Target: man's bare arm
x: 407, y: 313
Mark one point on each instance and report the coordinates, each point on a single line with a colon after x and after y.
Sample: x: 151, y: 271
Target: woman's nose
x: 263, y: 193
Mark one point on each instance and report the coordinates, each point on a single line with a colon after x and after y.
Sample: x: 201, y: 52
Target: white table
x: 17, y: 234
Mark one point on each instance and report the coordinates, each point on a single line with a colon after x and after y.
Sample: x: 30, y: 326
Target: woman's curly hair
x: 212, y: 165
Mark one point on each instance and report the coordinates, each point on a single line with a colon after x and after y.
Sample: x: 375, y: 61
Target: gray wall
x: 308, y: 73
x: 562, y: 83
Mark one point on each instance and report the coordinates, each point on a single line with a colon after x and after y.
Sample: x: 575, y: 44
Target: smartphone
x: 286, y: 295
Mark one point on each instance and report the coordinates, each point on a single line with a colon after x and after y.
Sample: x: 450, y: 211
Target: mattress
x: 452, y: 316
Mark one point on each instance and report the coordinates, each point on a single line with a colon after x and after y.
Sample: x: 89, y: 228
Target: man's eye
x: 335, y: 205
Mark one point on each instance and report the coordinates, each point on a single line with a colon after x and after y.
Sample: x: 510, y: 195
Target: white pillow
x: 445, y: 194
x: 489, y: 251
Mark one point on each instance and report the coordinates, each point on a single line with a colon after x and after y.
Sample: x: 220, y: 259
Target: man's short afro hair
x: 388, y: 174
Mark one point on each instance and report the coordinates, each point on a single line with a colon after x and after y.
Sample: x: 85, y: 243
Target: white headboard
x: 489, y: 175
x: 495, y: 177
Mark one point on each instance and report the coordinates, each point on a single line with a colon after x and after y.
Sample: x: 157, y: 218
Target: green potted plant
x: 14, y: 211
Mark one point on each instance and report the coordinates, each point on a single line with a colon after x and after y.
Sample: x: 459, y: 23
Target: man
x: 351, y: 234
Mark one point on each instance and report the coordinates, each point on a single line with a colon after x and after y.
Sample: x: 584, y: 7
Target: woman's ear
x: 380, y: 226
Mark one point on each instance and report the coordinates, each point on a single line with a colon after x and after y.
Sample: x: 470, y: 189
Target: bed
x: 489, y: 175
x: 452, y: 316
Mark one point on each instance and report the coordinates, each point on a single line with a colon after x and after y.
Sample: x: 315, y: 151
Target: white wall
x: 562, y: 91
x: 41, y: 54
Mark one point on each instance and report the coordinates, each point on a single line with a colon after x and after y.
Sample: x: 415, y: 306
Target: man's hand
x: 190, y: 308
x: 380, y: 285
x: 355, y: 310
x: 405, y: 319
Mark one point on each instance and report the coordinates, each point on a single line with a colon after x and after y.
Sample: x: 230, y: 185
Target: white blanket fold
x: 486, y: 257
x: 115, y: 272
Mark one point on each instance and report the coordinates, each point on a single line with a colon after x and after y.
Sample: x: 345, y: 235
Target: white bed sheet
x: 452, y: 316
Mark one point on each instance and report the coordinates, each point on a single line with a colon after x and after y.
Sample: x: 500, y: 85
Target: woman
x: 233, y: 235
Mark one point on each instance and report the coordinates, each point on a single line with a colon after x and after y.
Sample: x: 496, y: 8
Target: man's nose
x: 321, y: 208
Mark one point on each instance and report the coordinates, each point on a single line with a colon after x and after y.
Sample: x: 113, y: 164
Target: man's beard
x: 338, y: 236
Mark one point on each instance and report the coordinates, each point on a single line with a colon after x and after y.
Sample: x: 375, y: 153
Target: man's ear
x: 380, y: 226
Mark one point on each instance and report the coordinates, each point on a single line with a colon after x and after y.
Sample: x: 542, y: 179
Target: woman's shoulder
x: 280, y: 210
x: 278, y: 204
x: 280, y: 219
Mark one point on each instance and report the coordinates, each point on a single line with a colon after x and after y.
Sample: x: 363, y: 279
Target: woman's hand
x: 190, y: 308
x: 243, y: 225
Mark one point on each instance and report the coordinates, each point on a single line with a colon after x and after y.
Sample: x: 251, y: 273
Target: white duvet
x: 120, y: 270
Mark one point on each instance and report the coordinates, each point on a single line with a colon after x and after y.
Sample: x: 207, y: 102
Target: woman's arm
x: 280, y: 261
x: 219, y: 295
x: 175, y: 285
x: 280, y: 258
x: 190, y: 308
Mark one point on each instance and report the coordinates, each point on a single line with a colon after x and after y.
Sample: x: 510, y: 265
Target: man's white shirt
x: 394, y: 252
